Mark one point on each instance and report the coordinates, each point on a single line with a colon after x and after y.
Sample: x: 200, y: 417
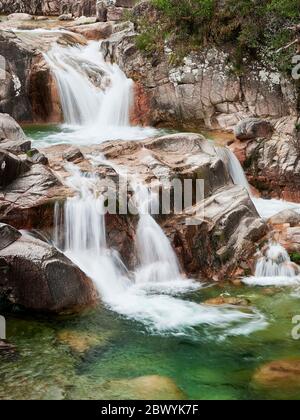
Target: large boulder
x: 29, y: 200
x: 37, y: 277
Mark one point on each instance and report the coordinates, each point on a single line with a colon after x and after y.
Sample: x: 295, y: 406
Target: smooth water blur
x: 204, y: 364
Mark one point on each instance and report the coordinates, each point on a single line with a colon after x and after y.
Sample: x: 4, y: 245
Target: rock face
x: 37, y: 277
x: 49, y: 8
x: 205, y: 90
x: 28, y: 91
x: 272, y: 165
x: 219, y: 234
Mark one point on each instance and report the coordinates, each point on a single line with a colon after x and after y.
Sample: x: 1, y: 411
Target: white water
x: 96, y: 97
x: 265, y: 208
x: 274, y: 267
x: 146, y: 295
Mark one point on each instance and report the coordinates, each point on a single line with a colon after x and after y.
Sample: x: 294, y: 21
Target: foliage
x: 249, y: 28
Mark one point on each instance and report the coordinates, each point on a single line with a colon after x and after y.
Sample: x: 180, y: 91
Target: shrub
x: 249, y: 28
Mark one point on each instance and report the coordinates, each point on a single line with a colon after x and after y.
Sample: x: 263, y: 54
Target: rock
x: 94, y: 31
x: 115, y: 13
x: 42, y: 18
x: 6, y: 349
x: 252, y: 128
x: 12, y: 137
x: 66, y: 17
x: 20, y: 16
x: 8, y: 235
x: 81, y: 341
x: 11, y: 167
x: 101, y: 11
x: 225, y: 226
x: 10, y: 129
x: 28, y: 91
x: 152, y: 387
x: 203, y: 90
x: 28, y: 201
x: 272, y: 165
x: 280, y: 373
x: 224, y: 300
x: 38, y: 277
x: 73, y: 155
x: 125, y: 3
x: 36, y: 157
x: 286, y: 216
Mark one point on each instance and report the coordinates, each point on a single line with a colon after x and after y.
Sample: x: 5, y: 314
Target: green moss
x: 295, y: 257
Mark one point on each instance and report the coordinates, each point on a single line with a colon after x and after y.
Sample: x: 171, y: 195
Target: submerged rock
x: 225, y: 300
x: 37, y: 277
x: 152, y: 387
x: 81, y: 341
x: 280, y: 373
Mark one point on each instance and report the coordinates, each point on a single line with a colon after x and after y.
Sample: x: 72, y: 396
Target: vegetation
x: 295, y: 257
x: 248, y: 27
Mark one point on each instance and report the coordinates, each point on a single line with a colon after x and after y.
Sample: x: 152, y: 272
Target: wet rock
x: 66, y: 17
x: 286, y: 216
x: 20, y: 16
x: 125, y: 3
x: 10, y: 129
x: 94, y: 31
x: 153, y: 387
x: 101, y: 11
x: 73, y: 155
x: 8, y: 235
x: 226, y: 300
x: 11, y: 167
x: 280, y: 373
x: 7, y: 349
x: 252, y: 128
x: 38, y: 277
x: 28, y: 201
x: 36, y: 157
x: 80, y: 341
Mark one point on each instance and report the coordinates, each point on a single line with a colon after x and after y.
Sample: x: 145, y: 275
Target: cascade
x: 265, y: 208
x: 96, y: 97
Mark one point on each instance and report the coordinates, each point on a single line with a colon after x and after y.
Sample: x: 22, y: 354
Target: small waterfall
x: 158, y: 261
x: 147, y: 295
x: 265, y: 208
x: 274, y: 267
x: 96, y: 96
x: 234, y: 167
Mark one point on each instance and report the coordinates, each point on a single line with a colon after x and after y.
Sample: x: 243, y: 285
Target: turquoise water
x: 202, y: 364
x: 102, y: 355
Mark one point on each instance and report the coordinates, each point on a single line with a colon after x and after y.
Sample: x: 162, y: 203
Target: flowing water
x: 96, y: 97
x: 153, y: 320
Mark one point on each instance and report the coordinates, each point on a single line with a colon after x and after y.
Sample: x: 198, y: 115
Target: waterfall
x: 274, y: 267
x: 96, y: 97
x: 157, y: 258
x: 265, y: 208
x: 148, y: 294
